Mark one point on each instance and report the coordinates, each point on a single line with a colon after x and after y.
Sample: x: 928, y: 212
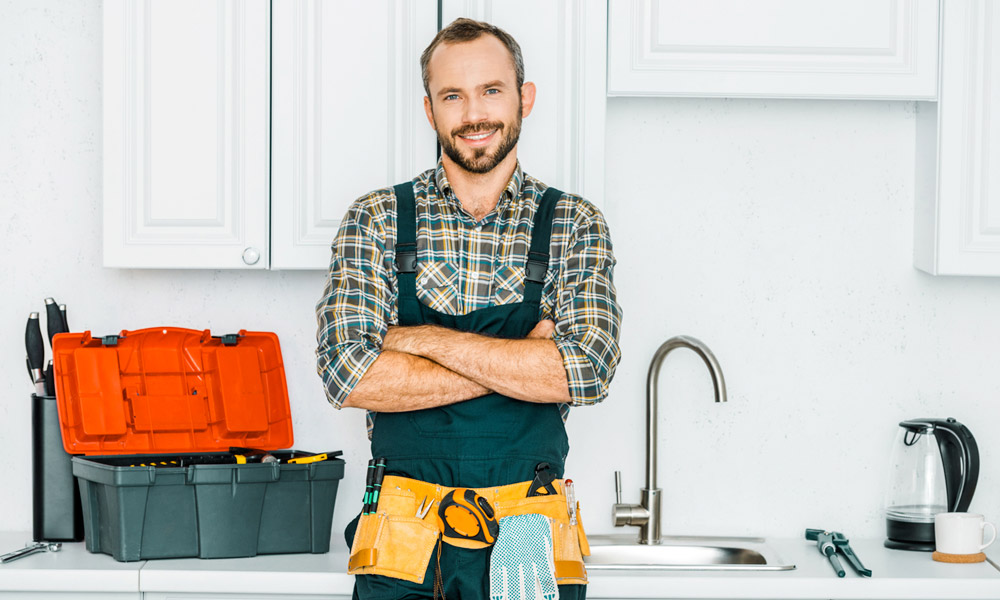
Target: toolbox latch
x: 109, y: 340
x: 230, y: 339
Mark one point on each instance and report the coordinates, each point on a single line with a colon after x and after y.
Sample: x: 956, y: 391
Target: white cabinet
x: 347, y: 111
x: 957, y: 225
x: 564, y: 47
x: 214, y: 596
x: 225, y: 148
x: 186, y: 108
x: 237, y: 133
x: 874, y: 49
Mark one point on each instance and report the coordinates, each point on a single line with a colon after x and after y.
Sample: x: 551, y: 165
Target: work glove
x: 521, y: 566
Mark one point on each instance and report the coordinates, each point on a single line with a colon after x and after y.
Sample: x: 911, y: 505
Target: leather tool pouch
x: 569, y: 542
x: 393, y: 542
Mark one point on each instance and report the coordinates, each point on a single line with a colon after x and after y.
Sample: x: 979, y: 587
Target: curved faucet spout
x: 680, y: 341
x: 646, y: 514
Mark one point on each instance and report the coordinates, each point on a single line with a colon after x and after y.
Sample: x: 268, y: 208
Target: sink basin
x: 683, y: 553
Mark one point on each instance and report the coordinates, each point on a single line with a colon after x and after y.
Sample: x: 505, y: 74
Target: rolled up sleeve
x: 587, y: 314
x: 353, y: 314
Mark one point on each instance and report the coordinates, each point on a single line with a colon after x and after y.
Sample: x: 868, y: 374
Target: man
x: 467, y: 310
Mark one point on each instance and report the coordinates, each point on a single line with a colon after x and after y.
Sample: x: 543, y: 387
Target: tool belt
x: 396, y: 542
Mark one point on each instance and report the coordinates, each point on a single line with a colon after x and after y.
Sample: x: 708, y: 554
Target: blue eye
x: 451, y: 96
x: 492, y: 90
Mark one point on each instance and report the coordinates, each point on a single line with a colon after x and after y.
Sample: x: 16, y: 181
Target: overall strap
x: 538, y: 253
x: 406, y: 240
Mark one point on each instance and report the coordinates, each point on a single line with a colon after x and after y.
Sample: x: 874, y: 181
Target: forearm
x: 527, y: 369
x: 398, y: 382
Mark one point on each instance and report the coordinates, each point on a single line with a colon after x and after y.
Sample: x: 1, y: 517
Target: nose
x: 475, y: 110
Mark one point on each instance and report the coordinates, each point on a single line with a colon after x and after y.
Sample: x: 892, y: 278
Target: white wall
x: 777, y: 232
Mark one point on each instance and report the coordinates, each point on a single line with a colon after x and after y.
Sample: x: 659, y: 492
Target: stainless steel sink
x: 683, y: 553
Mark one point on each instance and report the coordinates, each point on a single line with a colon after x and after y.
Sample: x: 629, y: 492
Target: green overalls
x: 487, y: 441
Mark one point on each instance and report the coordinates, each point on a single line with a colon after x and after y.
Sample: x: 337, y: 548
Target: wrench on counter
x: 31, y: 548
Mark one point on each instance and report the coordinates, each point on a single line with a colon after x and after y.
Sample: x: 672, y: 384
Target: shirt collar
x: 513, y: 189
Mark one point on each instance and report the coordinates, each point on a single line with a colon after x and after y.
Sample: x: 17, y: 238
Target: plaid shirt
x: 464, y: 265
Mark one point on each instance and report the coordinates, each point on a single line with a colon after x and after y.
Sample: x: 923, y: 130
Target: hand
x: 397, y: 339
x: 543, y: 330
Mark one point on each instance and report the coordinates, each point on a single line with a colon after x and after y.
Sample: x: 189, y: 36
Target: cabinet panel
x: 958, y: 166
x: 71, y: 595
x: 564, y: 47
x: 212, y: 596
x: 773, y: 48
x: 186, y: 117
x: 348, y: 114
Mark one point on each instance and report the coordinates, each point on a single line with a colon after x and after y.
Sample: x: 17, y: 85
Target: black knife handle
x: 53, y: 321
x: 50, y: 381
x: 62, y: 311
x: 33, y: 342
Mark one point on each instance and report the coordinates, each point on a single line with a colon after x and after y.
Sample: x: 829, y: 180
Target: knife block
x: 57, y: 511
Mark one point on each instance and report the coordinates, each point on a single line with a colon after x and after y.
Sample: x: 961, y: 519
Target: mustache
x: 477, y: 128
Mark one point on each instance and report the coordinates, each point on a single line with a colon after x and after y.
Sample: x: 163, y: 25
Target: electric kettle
x: 933, y: 468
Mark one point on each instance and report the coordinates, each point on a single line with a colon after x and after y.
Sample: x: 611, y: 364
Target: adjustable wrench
x: 31, y: 548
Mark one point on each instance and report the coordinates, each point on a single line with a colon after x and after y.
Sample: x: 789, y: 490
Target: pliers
x: 830, y: 543
x: 423, y: 510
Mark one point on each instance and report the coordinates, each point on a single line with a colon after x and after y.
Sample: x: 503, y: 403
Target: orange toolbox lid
x: 170, y: 390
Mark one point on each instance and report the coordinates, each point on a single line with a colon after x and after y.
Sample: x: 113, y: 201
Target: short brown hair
x: 467, y: 30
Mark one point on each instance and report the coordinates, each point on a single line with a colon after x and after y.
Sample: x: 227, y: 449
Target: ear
x: 429, y: 112
x: 527, y: 98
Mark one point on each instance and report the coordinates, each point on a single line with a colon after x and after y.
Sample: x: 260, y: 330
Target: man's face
x: 475, y: 106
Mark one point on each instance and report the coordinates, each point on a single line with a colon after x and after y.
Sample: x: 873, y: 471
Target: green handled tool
x: 830, y: 543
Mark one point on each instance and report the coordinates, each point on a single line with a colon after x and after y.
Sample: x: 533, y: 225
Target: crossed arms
x: 426, y: 366
x: 366, y: 361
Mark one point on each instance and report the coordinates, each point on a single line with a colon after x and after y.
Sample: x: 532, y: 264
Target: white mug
x: 962, y: 533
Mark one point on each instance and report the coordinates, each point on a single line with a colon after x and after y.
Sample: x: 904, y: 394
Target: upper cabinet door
x: 868, y: 49
x: 186, y: 116
x: 958, y: 148
x: 348, y: 114
x: 564, y: 47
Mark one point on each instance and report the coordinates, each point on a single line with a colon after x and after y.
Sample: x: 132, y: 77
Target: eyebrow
x: 490, y: 84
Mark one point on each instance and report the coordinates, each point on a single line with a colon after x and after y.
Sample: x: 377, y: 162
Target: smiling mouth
x: 478, y: 136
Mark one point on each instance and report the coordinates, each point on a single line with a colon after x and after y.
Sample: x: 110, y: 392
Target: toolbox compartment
x: 205, y: 510
x: 154, y: 412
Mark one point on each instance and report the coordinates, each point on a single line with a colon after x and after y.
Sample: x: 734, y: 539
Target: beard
x: 482, y: 160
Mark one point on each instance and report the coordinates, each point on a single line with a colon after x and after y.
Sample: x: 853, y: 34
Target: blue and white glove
x: 521, y: 566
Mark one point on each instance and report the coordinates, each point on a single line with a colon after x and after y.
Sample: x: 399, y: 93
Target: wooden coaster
x: 958, y: 558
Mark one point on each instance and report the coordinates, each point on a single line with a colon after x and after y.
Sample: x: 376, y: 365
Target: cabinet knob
x: 251, y: 256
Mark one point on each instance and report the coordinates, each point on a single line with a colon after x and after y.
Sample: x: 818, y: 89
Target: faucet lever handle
x: 618, y: 487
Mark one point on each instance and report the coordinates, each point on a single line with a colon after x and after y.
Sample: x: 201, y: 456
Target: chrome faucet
x: 646, y: 514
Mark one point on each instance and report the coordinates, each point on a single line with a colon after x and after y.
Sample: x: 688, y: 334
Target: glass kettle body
x: 934, y: 468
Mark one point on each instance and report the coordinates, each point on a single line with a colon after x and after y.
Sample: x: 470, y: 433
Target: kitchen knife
x: 62, y: 310
x: 36, y: 351
x: 50, y: 381
x: 54, y: 319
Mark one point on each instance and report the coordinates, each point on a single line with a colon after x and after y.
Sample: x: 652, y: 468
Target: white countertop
x: 72, y: 569
x: 896, y: 574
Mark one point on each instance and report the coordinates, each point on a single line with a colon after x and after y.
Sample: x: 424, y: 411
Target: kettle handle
x: 960, y: 456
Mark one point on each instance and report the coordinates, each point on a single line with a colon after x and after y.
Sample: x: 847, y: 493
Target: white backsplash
x: 777, y: 232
